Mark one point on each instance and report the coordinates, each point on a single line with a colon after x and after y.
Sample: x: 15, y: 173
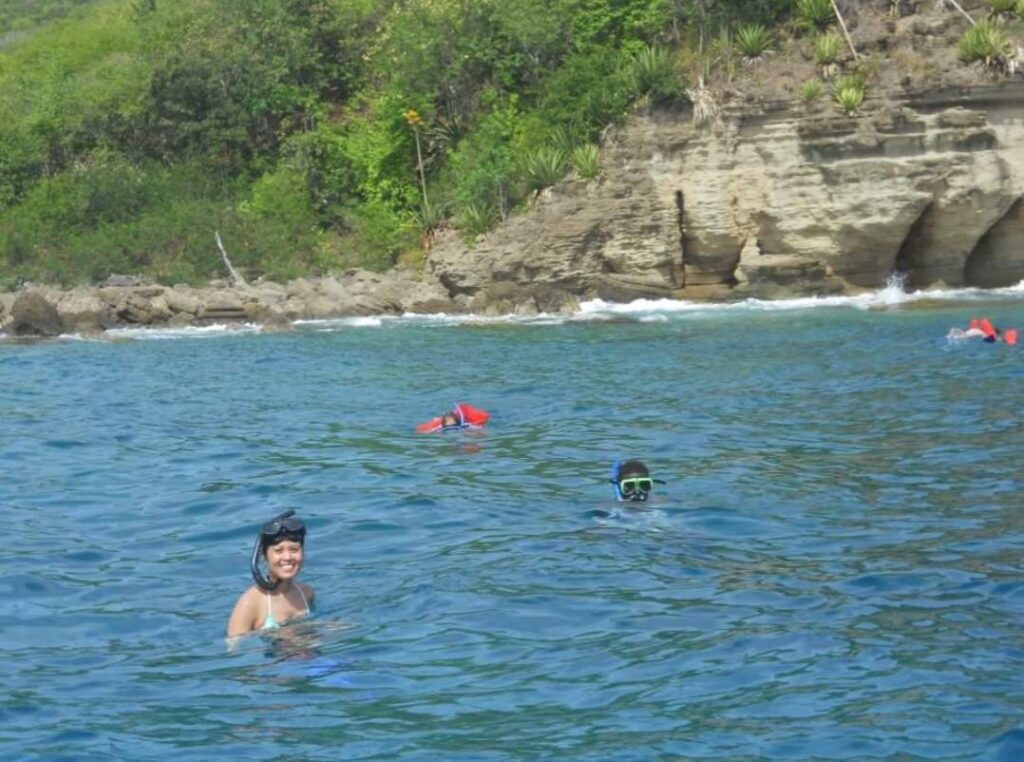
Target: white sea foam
x: 328, y: 324
x: 186, y: 332
x: 596, y: 310
x: 892, y: 295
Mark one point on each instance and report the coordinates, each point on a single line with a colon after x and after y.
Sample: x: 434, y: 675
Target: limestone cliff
x: 772, y: 201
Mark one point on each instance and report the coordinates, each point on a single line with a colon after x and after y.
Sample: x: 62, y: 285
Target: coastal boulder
x: 33, y: 315
x: 82, y: 311
x: 144, y: 306
x: 6, y: 300
x: 508, y: 297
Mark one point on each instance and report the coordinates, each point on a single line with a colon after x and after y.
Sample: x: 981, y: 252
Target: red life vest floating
x: 469, y: 417
x: 1010, y: 336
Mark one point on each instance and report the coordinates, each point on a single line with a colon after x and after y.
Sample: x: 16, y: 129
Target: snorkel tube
x: 281, y: 527
x: 615, y: 479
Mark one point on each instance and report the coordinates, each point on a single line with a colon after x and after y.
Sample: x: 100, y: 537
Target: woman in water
x: 276, y: 598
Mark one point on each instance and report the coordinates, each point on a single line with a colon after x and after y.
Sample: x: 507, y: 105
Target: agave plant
x: 475, y: 219
x: 543, y: 167
x: 849, y: 93
x: 811, y: 90
x: 984, y: 42
x: 826, y: 48
x: 586, y: 162
x: 816, y: 14
x: 565, y: 138
x: 753, y: 40
x: 653, y: 73
x: 427, y: 218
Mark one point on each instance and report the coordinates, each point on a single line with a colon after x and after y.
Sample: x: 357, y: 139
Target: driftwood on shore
x: 233, y: 274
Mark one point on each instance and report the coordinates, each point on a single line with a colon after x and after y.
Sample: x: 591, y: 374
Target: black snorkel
x: 281, y: 527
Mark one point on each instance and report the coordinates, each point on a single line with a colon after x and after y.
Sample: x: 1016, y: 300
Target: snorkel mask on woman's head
x: 282, y: 527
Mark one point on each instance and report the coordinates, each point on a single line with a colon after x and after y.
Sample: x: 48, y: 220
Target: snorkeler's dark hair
x: 281, y: 527
x: 631, y: 468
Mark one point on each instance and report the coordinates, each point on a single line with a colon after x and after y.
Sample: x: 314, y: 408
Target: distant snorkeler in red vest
x: 462, y: 416
x: 983, y: 328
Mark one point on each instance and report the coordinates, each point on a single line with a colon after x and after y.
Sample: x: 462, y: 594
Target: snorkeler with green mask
x: 632, y: 481
x: 276, y: 597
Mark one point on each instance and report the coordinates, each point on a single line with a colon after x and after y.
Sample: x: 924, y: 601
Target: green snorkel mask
x: 282, y: 527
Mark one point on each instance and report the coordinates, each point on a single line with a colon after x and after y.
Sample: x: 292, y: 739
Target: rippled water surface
x: 833, y: 570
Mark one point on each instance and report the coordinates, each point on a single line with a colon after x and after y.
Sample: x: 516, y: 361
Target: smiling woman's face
x: 284, y: 559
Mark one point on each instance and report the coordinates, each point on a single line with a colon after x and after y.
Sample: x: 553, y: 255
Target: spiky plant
x: 816, y: 14
x: 811, y: 90
x: 586, y: 161
x: 475, y: 219
x: 826, y: 48
x: 849, y: 93
x: 653, y: 73
x: 543, y: 167
x: 985, y: 42
x: 753, y: 41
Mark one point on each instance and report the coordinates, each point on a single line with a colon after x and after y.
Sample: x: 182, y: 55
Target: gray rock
x: 143, y: 307
x: 33, y: 315
x: 83, y: 312
x: 182, y: 299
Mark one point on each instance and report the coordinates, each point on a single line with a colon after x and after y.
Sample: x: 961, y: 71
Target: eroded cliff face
x: 776, y: 201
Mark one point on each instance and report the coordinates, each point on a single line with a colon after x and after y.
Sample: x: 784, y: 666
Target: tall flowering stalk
x: 414, y: 120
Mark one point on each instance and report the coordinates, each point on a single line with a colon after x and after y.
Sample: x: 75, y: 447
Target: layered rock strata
x: 774, y: 201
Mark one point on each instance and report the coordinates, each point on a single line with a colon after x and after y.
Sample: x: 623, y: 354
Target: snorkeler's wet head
x: 632, y: 481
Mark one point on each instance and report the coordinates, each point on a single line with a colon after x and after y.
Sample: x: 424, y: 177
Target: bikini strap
x: 303, y: 595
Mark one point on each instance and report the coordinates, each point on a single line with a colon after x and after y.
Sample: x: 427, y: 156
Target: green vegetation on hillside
x: 317, y: 134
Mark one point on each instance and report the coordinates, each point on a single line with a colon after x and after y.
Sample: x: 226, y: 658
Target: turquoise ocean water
x: 833, y: 571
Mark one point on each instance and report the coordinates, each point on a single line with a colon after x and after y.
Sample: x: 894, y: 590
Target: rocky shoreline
x: 131, y: 301
x: 770, y: 202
